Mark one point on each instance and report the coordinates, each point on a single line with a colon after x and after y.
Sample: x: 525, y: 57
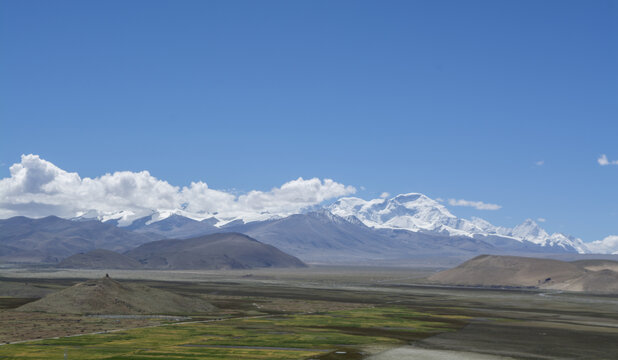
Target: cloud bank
x: 609, y: 245
x: 37, y: 188
x: 479, y: 205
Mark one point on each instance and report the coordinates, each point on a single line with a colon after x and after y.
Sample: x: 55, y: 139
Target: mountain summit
x: 412, y: 211
x: 419, y: 213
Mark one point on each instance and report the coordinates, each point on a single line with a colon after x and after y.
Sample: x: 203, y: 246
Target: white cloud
x: 609, y: 245
x: 542, y: 220
x: 604, y: 161
x: 38, y: 188
x: 540, y: 163
x: 479, y: 205
x: 384, y: 195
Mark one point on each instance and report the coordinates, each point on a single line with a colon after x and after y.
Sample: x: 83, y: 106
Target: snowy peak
x: 413, y: 211
x: 173, y: 226
x: 415, y: 200
x: 419, y: 213
x: 174, y: 220
x: 326, y: 216
x: 529, y: 230
x: 567, y: 242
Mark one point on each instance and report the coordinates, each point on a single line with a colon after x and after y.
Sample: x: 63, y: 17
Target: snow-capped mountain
x: 125, y: 218
x: 413, y: 211
x: 174, y: 226
x: 529, y: 231
x: 419, y: 213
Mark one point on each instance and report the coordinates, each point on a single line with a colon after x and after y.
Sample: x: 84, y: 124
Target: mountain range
x: 399, y: 230
x: 417, y: 212
x: 357, y: 220
x: 51, y: 239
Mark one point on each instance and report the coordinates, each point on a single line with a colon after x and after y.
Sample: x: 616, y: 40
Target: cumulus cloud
x: 37, y: 187
x: 479, y: 205
x: 609, y: 245
x: 384, y: 195
x: 604, y: 161
x: 540, y: 163
x: 542, y: 220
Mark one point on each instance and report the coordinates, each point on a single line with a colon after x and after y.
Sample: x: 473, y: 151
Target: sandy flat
x: 406, y: 352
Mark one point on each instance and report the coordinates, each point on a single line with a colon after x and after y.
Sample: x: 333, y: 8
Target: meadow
x: 317, y: 335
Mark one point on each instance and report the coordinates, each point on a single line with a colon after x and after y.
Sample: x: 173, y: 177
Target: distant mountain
x: 322, y: 237
x: 51, y: 239
x: 351, y: 230
x: 417, y: 212
x: 216, y: 251
x: 413, y: 212
x: 531, y: 231
x: 107, y: 296
x: 174, y: 226
x: 99, y: 259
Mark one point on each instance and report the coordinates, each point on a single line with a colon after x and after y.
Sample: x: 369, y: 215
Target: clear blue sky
x: 454, y: 99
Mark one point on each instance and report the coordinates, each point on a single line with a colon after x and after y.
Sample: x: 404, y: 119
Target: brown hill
x: 216, y: 251
x: 99, y: 259
x: 107, y: 296
x: 494, y: 270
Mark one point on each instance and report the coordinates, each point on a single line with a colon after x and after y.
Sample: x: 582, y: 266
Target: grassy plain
x: 266, y: 337
x: 325, y: 313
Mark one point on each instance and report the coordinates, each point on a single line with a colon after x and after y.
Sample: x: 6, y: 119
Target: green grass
x: 334, y: 330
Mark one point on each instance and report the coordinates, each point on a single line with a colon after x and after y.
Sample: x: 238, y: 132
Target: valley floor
x: 315, y: 313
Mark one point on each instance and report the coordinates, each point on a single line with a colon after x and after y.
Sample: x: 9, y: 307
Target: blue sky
x: 454, y: 99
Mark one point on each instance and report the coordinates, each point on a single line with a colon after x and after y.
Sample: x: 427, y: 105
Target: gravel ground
x: 406, y: 352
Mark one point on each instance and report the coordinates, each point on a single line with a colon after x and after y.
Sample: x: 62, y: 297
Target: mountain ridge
x: 417, y: 212
x: 410, y: 211
x: 215, y: 251
x: 51, y: 238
